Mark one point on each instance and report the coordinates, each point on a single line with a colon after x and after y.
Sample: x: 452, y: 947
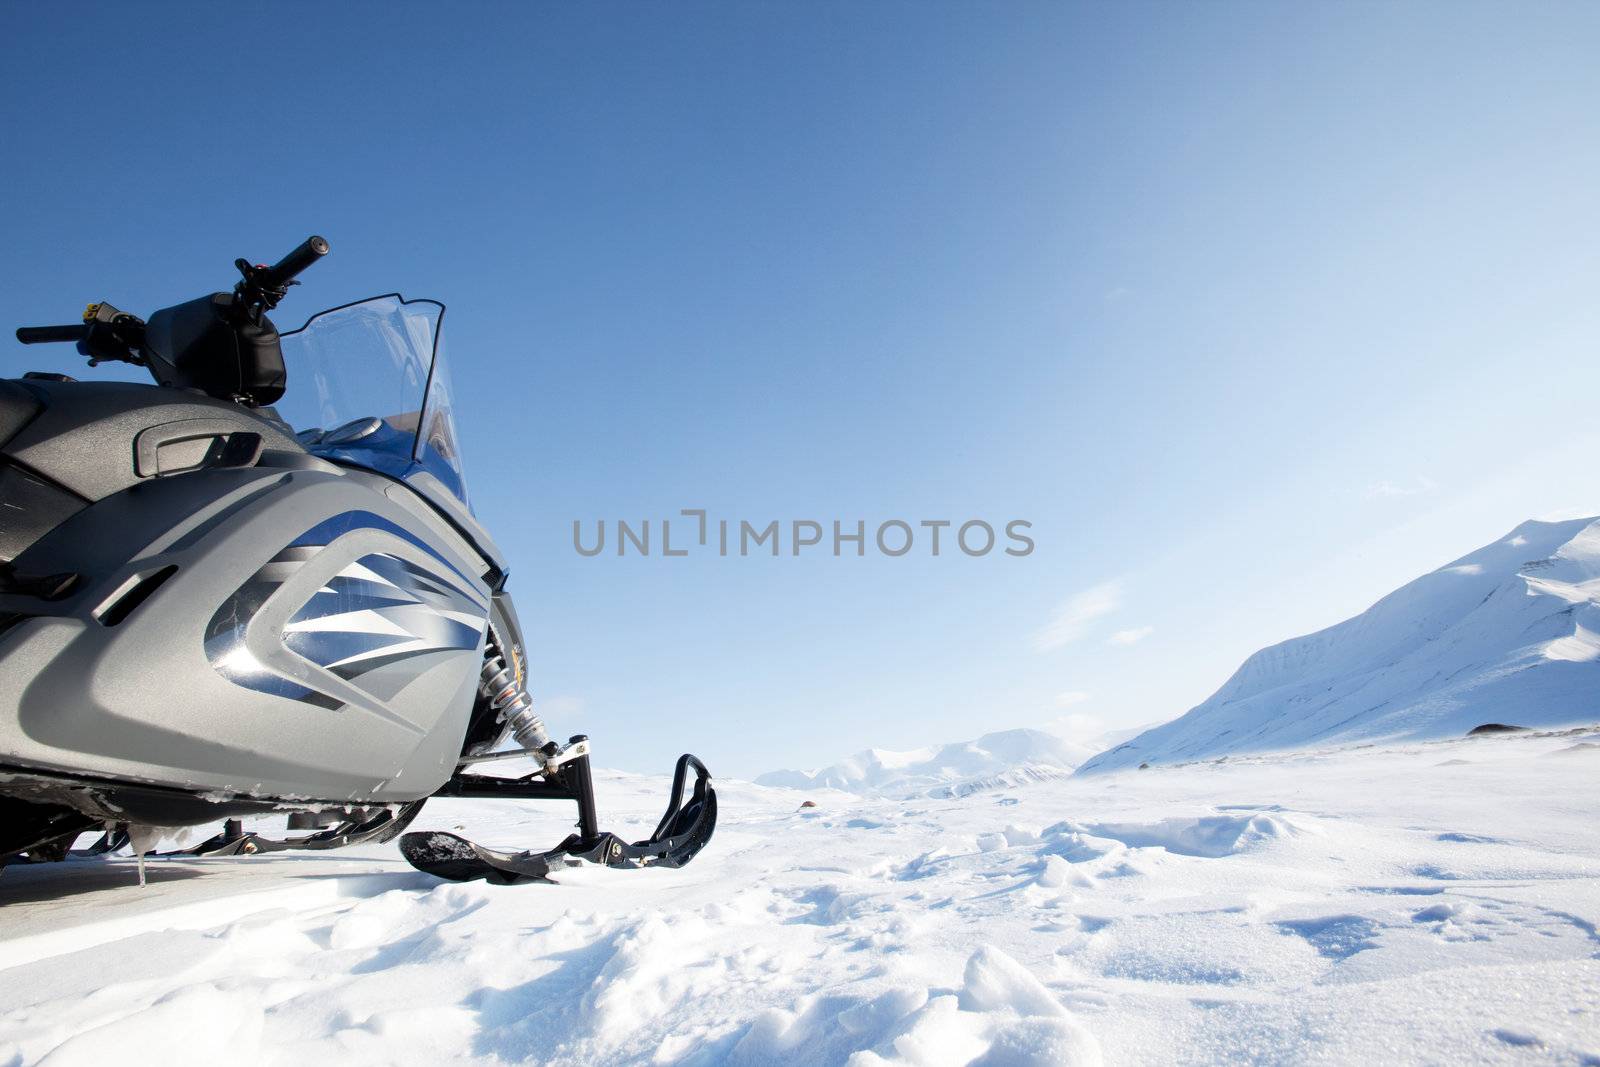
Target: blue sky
x: 1253, y: 311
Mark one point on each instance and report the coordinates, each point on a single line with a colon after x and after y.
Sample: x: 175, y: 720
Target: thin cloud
x: 1071, y: 697
x: 1390, y: 490
x: 1072, y: 619
x: 1131, y: 637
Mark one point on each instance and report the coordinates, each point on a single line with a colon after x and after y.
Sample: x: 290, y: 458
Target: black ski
x: 456, y: 859
x: 682, y: 832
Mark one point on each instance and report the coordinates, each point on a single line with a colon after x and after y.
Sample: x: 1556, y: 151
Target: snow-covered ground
x: 1434, y: 903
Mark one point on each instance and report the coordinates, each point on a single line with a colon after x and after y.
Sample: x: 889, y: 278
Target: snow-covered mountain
x: 1509, y: 634
x: 1029, y: 754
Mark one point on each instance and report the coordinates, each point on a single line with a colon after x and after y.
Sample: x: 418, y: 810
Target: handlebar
x: 179, y: 341
x: 280, y: 273
x: 38, y: 335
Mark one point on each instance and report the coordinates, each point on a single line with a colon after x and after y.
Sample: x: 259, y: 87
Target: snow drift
x: 1007, y: 757
x: 1508, y: 634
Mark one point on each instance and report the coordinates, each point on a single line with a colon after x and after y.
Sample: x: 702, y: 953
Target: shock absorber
x: 507, y: 697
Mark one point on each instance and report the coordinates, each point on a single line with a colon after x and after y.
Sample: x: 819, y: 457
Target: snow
x: 949, y: 769
x: 1509, y: 633
x: 1426, y: 902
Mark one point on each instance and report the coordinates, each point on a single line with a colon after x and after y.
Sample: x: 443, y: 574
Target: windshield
x: 364, y: 379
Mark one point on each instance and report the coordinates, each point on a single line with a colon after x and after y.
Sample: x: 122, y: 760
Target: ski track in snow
x: 1433, y: 903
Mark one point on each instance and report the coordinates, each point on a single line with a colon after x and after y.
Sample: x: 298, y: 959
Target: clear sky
x: 1253, y: 311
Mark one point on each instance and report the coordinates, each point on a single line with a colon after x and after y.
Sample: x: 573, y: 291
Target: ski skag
x: 682, y: 832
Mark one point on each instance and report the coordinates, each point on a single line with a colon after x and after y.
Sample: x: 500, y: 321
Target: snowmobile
x: 222, y: 598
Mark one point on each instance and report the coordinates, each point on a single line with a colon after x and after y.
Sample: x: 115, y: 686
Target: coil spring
x: 508, y: 697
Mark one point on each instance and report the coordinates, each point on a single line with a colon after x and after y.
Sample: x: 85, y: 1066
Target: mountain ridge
x: 877, y: 770
x: 1507, y: 633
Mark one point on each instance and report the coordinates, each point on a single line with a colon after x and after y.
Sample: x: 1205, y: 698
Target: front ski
x: 680, y: 835
x: 456, y: 859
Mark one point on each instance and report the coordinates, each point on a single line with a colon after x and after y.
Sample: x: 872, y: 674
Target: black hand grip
x: 310, y: 250
x: 37, y: 335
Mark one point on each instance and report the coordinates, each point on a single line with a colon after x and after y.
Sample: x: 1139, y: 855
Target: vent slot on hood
x: 131, y: 594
